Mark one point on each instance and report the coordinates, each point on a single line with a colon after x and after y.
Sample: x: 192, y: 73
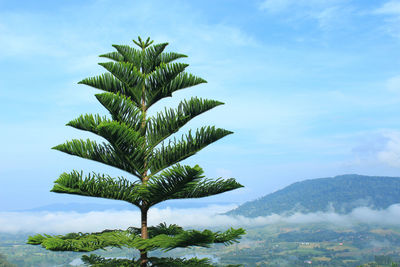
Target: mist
x: 210, y: 216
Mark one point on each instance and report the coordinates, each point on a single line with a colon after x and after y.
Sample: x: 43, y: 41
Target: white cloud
x: 275, y: 5
x: 389, y: 8
x: 393, y: 84
x: 28, y: 35
x: 326, y: 12
x: 222, y: 33
x: 63, y: 222
x: 327, y: 16
x: 376, y: 150
x: 391, y: 153
x: 74, y: 49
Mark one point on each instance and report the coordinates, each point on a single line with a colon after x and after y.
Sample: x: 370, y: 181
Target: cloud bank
x: 64, y: 222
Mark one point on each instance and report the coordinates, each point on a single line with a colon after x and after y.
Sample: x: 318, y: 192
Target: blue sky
x: 312, y: 87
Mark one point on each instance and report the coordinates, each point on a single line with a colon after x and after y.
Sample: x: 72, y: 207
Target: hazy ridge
x: 340, y: 194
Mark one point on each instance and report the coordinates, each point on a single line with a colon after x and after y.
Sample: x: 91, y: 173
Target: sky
x: 311, y: 87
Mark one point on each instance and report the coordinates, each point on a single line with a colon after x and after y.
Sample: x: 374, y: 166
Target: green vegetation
x: 344, y: 246
x: 341, y: 193
x: 141, y: 145
x: 270, y: 245
x: 4, y: 262
x: 381, y: 261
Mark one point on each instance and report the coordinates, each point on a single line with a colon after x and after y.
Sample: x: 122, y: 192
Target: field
x: 271, y: 245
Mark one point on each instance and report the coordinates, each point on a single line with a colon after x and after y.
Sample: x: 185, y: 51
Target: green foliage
x: 161, y: 237
x: 174, y: 183
x: 97, y: 261
x: 98, y: 185
x: 170, y: 121
x: 383, y: 259
x: 140, y: 145
x: 177, y: 151
x: 162, y: 228
x: 83, y: 242
x: 180, y: 182
x: 121, y: 109
x: 342, y: 193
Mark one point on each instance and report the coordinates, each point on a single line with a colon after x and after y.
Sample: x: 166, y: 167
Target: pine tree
x: 141, y: 145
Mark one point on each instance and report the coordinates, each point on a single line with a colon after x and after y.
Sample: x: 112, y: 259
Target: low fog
x: 211, y: 216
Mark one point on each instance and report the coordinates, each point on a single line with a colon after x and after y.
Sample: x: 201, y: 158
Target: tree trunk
x: 145, y: 235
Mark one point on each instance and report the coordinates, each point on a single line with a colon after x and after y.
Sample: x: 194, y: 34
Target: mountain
x: 341, y: 193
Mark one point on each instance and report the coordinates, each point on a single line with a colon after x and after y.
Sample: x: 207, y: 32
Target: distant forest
x: 4, y: 262
x: 341, y: 194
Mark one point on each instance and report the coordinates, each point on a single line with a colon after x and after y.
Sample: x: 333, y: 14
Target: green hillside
x: 4, y: 262
x: 341, y: 193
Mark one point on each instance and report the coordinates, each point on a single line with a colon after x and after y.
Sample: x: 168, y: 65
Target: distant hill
x: 341, y: 193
